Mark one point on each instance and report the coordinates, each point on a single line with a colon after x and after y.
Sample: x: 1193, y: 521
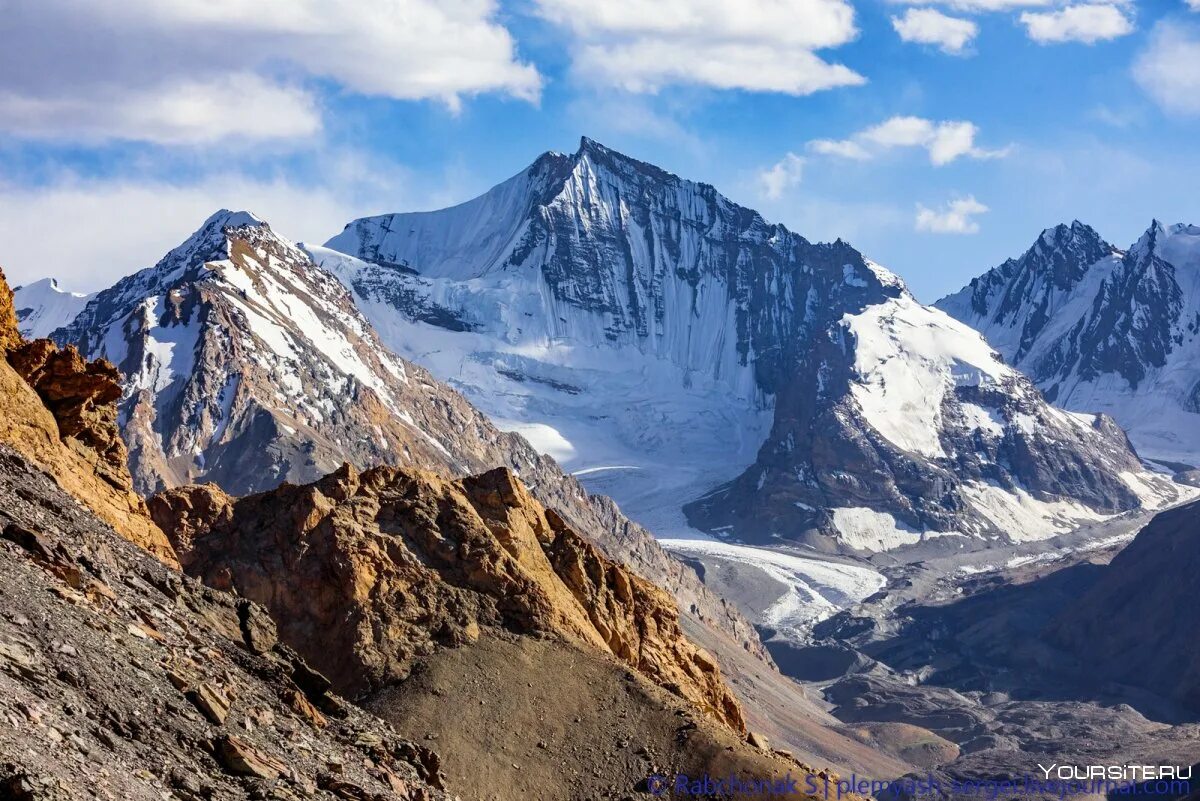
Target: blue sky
x: 939, y: 137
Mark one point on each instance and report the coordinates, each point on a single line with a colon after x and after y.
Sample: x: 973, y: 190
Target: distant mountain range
x: 1104, y: 330
x: 246, y: 365
x: 668, y: 346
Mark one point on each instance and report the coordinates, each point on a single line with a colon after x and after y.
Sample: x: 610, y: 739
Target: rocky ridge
x: 368, y: 571
x: 1103, y: 329
x: 122, y: 679
x: 60, y: 410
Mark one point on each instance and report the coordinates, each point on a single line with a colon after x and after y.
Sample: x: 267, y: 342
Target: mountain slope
x: 666, y: 343
x: 59, y: 411
x: 121, y: 678
x: 372, y: 570
x: 1103, y: 330
x: 247, y: 365
x: 1132, y: 626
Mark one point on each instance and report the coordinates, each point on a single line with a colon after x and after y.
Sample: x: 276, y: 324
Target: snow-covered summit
x: 669, y: 343
x: 44, y: 306
x: 245, y: 364
x: 1121, y: 337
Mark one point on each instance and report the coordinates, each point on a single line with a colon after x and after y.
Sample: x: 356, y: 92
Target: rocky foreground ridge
x: 121, y: 678
x: 479, y: 624
x: 58, y: 409
x: 368, y: 571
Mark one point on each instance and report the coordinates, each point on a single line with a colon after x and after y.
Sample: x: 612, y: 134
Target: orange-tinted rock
x: 59, y: 411
x: 364, y: 573
x: 10, y: 337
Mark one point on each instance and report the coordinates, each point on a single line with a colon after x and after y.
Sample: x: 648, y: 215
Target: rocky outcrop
x: 59, y: 411
x: 365, y: 573
x: 121, y: 679
x: 82, y: 397
x: 10, y: 337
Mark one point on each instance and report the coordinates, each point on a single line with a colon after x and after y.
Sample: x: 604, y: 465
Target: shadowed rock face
x: 59, y: 410
x: 1137, y: 623
x: 367, y: 572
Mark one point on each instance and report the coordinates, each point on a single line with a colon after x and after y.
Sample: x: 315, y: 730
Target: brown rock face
x: 82, y: 397
x: 10, y: 337
x: 60, y: 411
x: 365, y: 573
x: 122, y: 679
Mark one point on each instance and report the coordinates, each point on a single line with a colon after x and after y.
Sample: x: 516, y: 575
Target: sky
x: 937, y: 136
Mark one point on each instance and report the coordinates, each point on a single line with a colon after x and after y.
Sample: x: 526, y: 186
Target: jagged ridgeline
x: 246, y: 364
x: 638, y: 324
x: 1103, y: 329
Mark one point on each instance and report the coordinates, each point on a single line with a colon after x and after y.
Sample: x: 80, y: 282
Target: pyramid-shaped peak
x: 602, y: 155
x: 225, y: 218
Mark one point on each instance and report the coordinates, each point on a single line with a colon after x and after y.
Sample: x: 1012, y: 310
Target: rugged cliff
x: 366, y: 572
x: 60, y: 411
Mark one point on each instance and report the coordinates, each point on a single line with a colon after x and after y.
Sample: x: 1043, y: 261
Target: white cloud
x: 1194, y: 5
x: 1088, y: 23
x: 198, y: 71
x: 981, y: 6
x: 944, y: 141
x: 1169, y: 68
x: 930, y: 26
x: 955, y: 217
x: 88, y: 233
x: 780, y: 177
x: 756, y: 45
x: 186, y: 113
x: 843, y: 148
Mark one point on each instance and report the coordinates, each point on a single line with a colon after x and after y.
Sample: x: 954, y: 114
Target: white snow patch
x: 816, y: 589
x: 46, y: 307
x: 869, y: 530
x: 544, y: 439
x: 1025, y: 518
x: 908, y: 357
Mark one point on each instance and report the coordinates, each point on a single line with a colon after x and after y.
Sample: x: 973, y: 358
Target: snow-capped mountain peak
x: 638, y: 324
x: 44, y: 306
x: 246, y: 364
x: 1122, y: 338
